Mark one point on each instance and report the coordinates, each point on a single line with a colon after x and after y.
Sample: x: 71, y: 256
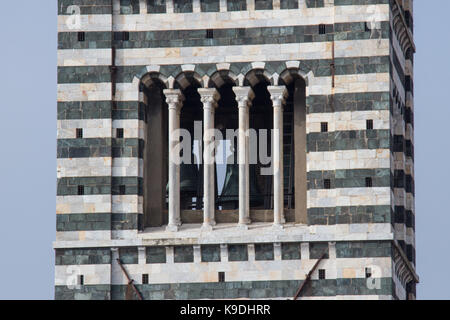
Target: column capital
x: 278, y: 95
x: 174, y: 98
x: 244, y: 96
x: 209, y: 96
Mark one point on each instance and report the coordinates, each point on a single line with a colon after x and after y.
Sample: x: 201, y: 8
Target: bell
x: 229, y: 198
x: 188, y: 179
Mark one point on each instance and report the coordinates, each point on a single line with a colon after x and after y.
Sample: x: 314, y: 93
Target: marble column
x: 174, y: 99
x: 209, y: 98
x: 278, y: 94
x: 244, y: 96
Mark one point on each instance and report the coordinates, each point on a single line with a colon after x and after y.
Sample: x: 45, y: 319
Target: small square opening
x: 79, y: 133
x: 80, y: 190
x: 369, y: 124
x: 324, y: 127
x: 221, y: 276
x: 81, y: 36
x: 322, y: 274
x: 119, y: 133
x: 81, y: 279
x: 322, y: 29
x: 327, y: 183
x: 369, y: 182
x: 209, y: 33
x: 145, y: 278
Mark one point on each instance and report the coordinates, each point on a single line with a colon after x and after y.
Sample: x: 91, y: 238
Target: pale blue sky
x: 28, y: 148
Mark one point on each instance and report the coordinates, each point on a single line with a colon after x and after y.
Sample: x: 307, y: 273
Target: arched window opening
x: 261, y: 125
x: 155, y: 155
x: 227, y: 168
x: 191, y: 172
x: 294, y: 150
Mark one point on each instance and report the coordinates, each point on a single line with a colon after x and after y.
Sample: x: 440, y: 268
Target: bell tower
x: 245, y: 149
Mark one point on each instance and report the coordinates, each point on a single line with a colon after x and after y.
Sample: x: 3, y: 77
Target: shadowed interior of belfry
x: 226, y: 167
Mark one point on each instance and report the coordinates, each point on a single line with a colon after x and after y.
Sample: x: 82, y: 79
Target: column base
x: 172, y: 228
x: 277, y: 226
x: 243, y: 226
x: 208, y: 227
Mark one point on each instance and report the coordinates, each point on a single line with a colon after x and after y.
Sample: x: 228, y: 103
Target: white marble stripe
x: 341, y: 197
x: 83, y: 204
x: 371, y: 82
x: 93, y: 274
x: 281, y: 270
x: 233, y: 19
x: 228, y: 54
x: 99, y: 167
x: 99, y: 204
x: 348, y: 120
x: 229, y: 233
x: 348, y: 159
x: 100, y: 128
x: 84, y: 167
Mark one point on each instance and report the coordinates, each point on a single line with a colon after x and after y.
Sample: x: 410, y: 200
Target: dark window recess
x: 322, y: 29
x: 126, y: 36
x: 400, y: 215
x: 398, y: 143
x: 399, y: 179
x: 369, y: 182
x: 80, y: 190
x: 209, y: 33
x: 221, y: 276
x: 81, y: 280
x: 408, y: 83
x: 81, y: 36
x: 321, y: 274
x: 79, y: 133
x: 327, y: 183
x: 409, y: 184
x: 120, y: 133
x: 367, y: 27
x: 324, y: 127
x: 368, y: 272
x: 122, y: 189
x: 145, y: 278
x: 369, y: 124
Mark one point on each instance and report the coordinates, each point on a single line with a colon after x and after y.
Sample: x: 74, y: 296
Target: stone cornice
x: 401, y: 29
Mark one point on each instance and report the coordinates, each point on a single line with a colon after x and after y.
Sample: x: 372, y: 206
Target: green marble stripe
x: 350, y: 178
x: 320, y: 68
x: 97, y: 221
x: 100, y: 185
x: 359, y: 2
x: 122, y: 110
x: 222, y: 37
x: 256, y: 289
x: 365, y: 101
x: 350, y: 215
x: 366, y: 249
x: 82, y: 256
x: 100, y: 147
x: 348, y: 140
